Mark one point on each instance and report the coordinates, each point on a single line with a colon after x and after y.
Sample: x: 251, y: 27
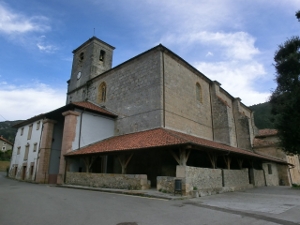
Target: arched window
x: 198, y: 92
x: 101, y: 93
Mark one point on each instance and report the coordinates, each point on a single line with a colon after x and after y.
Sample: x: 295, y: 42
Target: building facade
x: 266, y: 142
x: 146, y: 122
x: 5, y: 144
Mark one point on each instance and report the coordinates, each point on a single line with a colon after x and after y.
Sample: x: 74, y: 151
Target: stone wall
x: 134, y: 93
x: 202, y: 179
x: 236, y: 179
x: 207, y: 181
x: 183, y: 110
x: 259, y: 178
x: 165, y: 184
x: 243, y: 124
x: 223, y: 121
x: 101, y: 180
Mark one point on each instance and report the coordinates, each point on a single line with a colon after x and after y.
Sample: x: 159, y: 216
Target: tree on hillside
x: 285, y: 100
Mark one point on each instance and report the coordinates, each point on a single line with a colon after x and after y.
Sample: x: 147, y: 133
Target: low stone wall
x: 236, y: 179
x: 259, y: 178
x: 165, y: 184
x: 207, y: 181
x: 204, y: 181
x: 102, y: 180
x: 4, y: 165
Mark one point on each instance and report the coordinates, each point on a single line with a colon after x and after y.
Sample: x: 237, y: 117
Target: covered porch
x: 155, y: 158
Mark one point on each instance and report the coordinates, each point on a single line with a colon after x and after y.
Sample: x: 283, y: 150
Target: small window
x: 102, y: 55
x: 198, y: 92
x: 38, y: 125
x: 3, y: 148
x: 81, y: 56
x: 269, y: 168
x: 29, y: 132
x: 26, y: 152
x: 31, y: 170
x: 19, y: 150
x: 22, y: 131
x: 34, y: 147
x: 4, y: 143
x: 101, y: 92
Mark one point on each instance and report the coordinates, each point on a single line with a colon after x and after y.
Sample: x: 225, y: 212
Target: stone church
x: 145, y: 123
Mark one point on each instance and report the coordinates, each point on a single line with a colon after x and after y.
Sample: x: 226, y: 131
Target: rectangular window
x: 38, y: 125
x: 269, y: 168
x: 26, y: 152
x: 19, y: 150
x: 102, y: 55
x: 16, y: 170
x: 29, y: 132
x: 22, y: 131
x: 34, y: 147
x: 31, y: 171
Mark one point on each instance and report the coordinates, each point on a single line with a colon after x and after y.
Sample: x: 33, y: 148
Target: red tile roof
x: 267, y: 132
x: 158, y: 137
x: 5, y: 140
x: 93, y: 107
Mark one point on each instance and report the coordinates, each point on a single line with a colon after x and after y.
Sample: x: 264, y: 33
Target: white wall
x: 92, y: 128
x: 22, y: 141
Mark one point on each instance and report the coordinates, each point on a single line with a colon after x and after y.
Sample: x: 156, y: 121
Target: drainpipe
x: 38, y: 151
x: 80, y: 127
x: 211, y: 111
x: 164, y: 101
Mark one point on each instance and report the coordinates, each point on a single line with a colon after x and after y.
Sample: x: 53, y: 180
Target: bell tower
x: 90, y: 59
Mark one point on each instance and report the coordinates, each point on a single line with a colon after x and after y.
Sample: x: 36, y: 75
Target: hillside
x: 262, y: 115
x: 7, y: 131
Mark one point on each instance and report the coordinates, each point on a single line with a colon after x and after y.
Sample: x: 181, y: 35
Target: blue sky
x: 232, y: 41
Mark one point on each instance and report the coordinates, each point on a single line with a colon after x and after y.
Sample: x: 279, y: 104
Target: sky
x: 231, y: 41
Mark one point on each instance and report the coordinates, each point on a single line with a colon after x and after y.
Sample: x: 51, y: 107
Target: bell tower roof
x: 91, y: 40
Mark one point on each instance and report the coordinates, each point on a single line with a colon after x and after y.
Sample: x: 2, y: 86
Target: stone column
x: 42, y: 172
x: 69, y: 134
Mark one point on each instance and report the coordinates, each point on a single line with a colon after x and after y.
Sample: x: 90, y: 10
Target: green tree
x: 285, y: 100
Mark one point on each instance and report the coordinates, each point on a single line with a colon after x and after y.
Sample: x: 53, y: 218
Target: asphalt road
x: 35, y: 204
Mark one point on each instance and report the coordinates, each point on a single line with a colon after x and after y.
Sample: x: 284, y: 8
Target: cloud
x: 14, y: 23
x: 23, y: 102
x: 233, y: 45
x: 232, y: 61
x: 43, y: 46
x: 238, y: 79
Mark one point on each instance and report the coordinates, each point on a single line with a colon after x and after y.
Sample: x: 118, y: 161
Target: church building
x: 145, y: 123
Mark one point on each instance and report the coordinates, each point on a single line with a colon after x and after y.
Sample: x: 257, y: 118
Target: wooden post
x: 183, y: 156
x: 213, y: 159
x: 88, y: 161
x: 124, y: 162
x: 227, y: 160
x: 240, y: 162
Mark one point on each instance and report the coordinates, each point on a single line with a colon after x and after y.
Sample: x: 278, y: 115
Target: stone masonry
x: 120, y: 181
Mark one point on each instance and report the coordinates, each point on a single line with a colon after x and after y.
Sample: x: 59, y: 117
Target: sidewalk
x: 279, y: 204
x: 149, y: 193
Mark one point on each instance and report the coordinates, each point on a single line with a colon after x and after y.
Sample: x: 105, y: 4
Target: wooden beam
x: 213, y: 159
x: 227, y: 160
x: 124, y: 162
x: 240, y: 162
x: 175, y: 157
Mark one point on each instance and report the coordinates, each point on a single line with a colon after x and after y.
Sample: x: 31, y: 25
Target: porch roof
x: 161, y: 137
